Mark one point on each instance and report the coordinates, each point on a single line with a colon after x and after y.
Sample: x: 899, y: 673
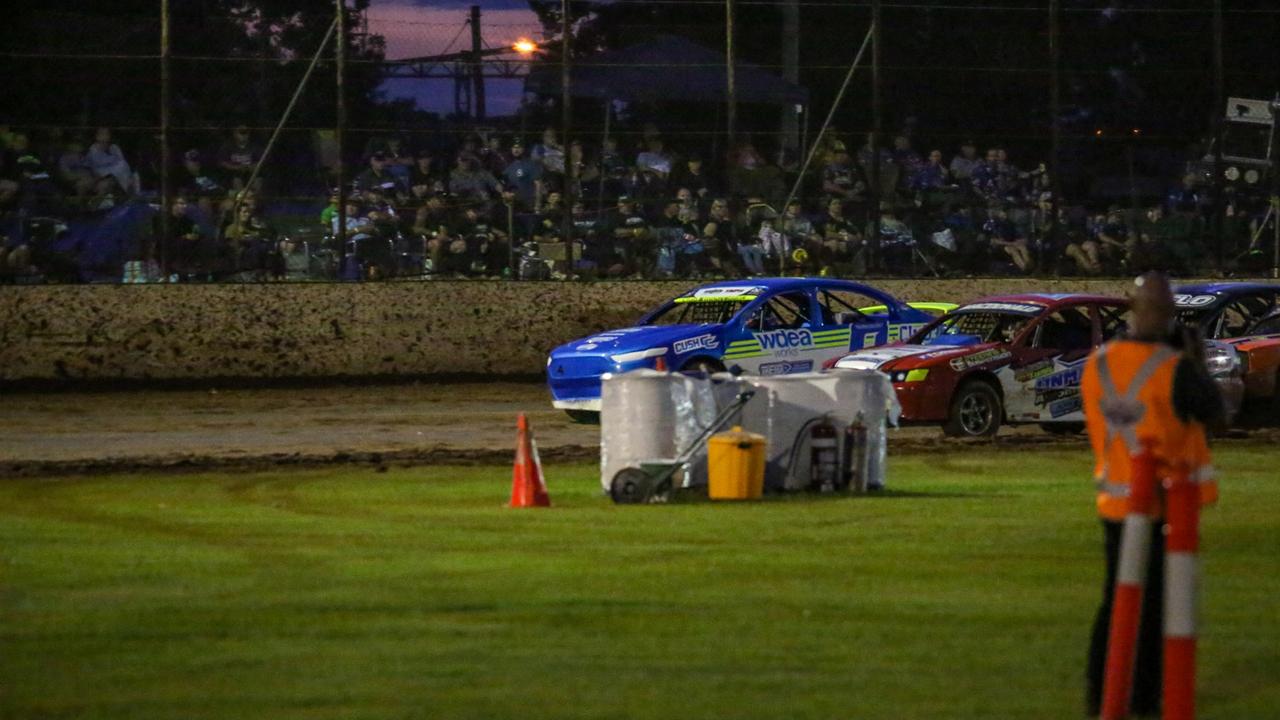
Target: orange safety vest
x: 1127, y: 390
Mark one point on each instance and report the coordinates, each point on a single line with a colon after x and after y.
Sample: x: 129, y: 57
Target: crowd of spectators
x: 495, y: 205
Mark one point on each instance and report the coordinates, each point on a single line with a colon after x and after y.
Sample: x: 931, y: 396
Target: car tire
x: 702, y: 365
x: 584, y: 417
x: 976, y: 411
x: 1063, y: 428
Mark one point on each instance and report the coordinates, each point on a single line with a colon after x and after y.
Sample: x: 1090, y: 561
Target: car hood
x: 921, y: 355
x: 644, y: 337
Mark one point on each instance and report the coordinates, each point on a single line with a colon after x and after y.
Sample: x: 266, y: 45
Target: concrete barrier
x: 76, y: 334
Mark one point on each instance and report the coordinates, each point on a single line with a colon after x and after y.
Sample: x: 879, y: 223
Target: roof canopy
x: 667, y: 68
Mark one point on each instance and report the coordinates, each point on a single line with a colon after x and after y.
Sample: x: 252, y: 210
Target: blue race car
x: 768, y: 326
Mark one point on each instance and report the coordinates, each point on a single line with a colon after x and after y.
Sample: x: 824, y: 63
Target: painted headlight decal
x: 638, y: 355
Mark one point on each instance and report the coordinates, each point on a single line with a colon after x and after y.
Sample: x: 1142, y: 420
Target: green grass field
x: 966, y: 592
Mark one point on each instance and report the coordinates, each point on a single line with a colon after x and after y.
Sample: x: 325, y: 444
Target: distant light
x: 525, y: 46
x: 1098, y: 132
x: 1137, y: 131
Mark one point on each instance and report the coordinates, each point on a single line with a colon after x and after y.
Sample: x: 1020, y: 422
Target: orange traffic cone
x: 528, y: 488
x: 660, y: 364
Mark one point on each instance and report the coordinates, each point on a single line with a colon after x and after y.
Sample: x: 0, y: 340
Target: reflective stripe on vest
x: 1121, y: 412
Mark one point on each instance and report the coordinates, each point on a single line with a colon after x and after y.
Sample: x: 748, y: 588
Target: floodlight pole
x: 566, y: 121
x: 165, y: 160
x: 1055, y: 130
x: 477, y: 69
x: 1219, y: 119
x: 340, y: 124
x: 731, y: 89
x: 877, y: 127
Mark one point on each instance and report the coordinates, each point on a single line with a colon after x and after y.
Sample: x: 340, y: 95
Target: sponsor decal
x: 1045, y: 397
x: 702, y: 341
x: 985, y: 357
x: 1193, y: 301
x: 902, y: 331
x: 783, y: 368
x: 1065, y: 406
x: 1020, y: 308
x: 784, y: 339
x: 730, y: 291
x: 1033, y: 371
x: 1069, y: 377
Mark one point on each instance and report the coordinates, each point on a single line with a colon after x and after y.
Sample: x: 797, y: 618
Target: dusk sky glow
x: 414, y: 29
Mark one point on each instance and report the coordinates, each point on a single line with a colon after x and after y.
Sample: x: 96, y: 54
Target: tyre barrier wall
x: 103, y: 334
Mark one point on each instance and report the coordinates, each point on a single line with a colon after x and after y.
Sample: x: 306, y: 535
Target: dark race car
x: 1245, y: 316
x: 1010, y: 359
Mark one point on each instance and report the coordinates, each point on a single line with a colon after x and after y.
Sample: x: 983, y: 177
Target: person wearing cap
x: 377, y: 179
x: 195, y: 180
x: 1149, y: 387
x: 627, y: 233
x: 693, y: 174
x: 839, y: 177
x: 425, y: 174
x: 523, y: 178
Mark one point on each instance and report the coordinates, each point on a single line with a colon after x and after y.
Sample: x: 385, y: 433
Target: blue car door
x: 776, y: 335
x: 840, y: 321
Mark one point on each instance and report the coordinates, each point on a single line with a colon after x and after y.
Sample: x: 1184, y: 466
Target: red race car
x: 1010, y: 359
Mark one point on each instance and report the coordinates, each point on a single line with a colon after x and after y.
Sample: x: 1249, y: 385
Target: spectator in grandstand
x: 237, y: 158
x: 842, y: 247
x: 249, y: 250
x: 932, y: 174
x: 111, y: 171
x: 485, y: 243
x: 470, y: 183
x: 73, y: 171
x: 493, y: 157
x: 196, y: 181
x: 984, y: 178
x: 549, y: 152
x: 692, y: 175
x: 720, y: 238
x: 38, y: 195
x: 188, y: 251
x: 1112, y: 240
x: 432, y: 219
x: 614, y: 169
x: 1003, y: 236
x: 655, y: 159
x: 524, y: 178
x: 751, y: 174
x: 378, y: 180
x: 549, y: 221
x: 676, y: 240
x: 840, y: 179
x: 330, y: 211
x: 906, y: 158
x: 1186, y: 198
x: 691, y: 209
x: 798, y: 232
x: 425, y: 178
x: 586, y: 171
x: 629, y: 232
x: 962, y: 165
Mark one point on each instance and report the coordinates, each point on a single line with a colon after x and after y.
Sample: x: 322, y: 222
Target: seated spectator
x: 472, y: 184
x: 690, y: 208
x: 614, y: 168
x: 841, y: 247
x: 432, y: 219
x: 798, y: 234
x: 839, y: 177
x: 549, y: 222
x: 629, y: 236
x: 720, y: 238
x: 751, y: 174
x: 74, y: 173
x: 1003, y: 237
x: 425, y: 179
x: 523, y: 178
x: 585, y: 171
x: 550, y: 153
x: 897, y: 241
x: 194, y: 180
x: 1113, y: 241
x: 378, y: 180
x: 237, y: 158
x: 693, y: 175
x: 492, y: 155
x: 249, y: 246
x: 484, y: 249
x: 655, y: 159
x: 1186, y: 198
x: 111, y: 171
x: 905, y: 157
x: 963, y: 165
x: 680, y: 252
x: 188, y: 252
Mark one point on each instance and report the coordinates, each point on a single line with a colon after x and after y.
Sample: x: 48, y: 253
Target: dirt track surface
x: 420, y: 423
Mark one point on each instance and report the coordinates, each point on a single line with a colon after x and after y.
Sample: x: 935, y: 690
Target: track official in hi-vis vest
x: 1148, y: 388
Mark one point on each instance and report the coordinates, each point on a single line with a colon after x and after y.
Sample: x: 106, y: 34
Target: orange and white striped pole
x: 1126, y: 606
x: 1181, y: 593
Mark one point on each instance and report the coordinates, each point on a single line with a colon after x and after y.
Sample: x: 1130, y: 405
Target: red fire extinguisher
x: 824, y: 456
x: 857, y: 458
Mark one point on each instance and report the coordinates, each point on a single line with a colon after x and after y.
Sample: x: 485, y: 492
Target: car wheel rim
x: 975, y: 414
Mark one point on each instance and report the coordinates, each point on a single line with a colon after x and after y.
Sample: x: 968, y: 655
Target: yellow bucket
x: 735, y: 465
